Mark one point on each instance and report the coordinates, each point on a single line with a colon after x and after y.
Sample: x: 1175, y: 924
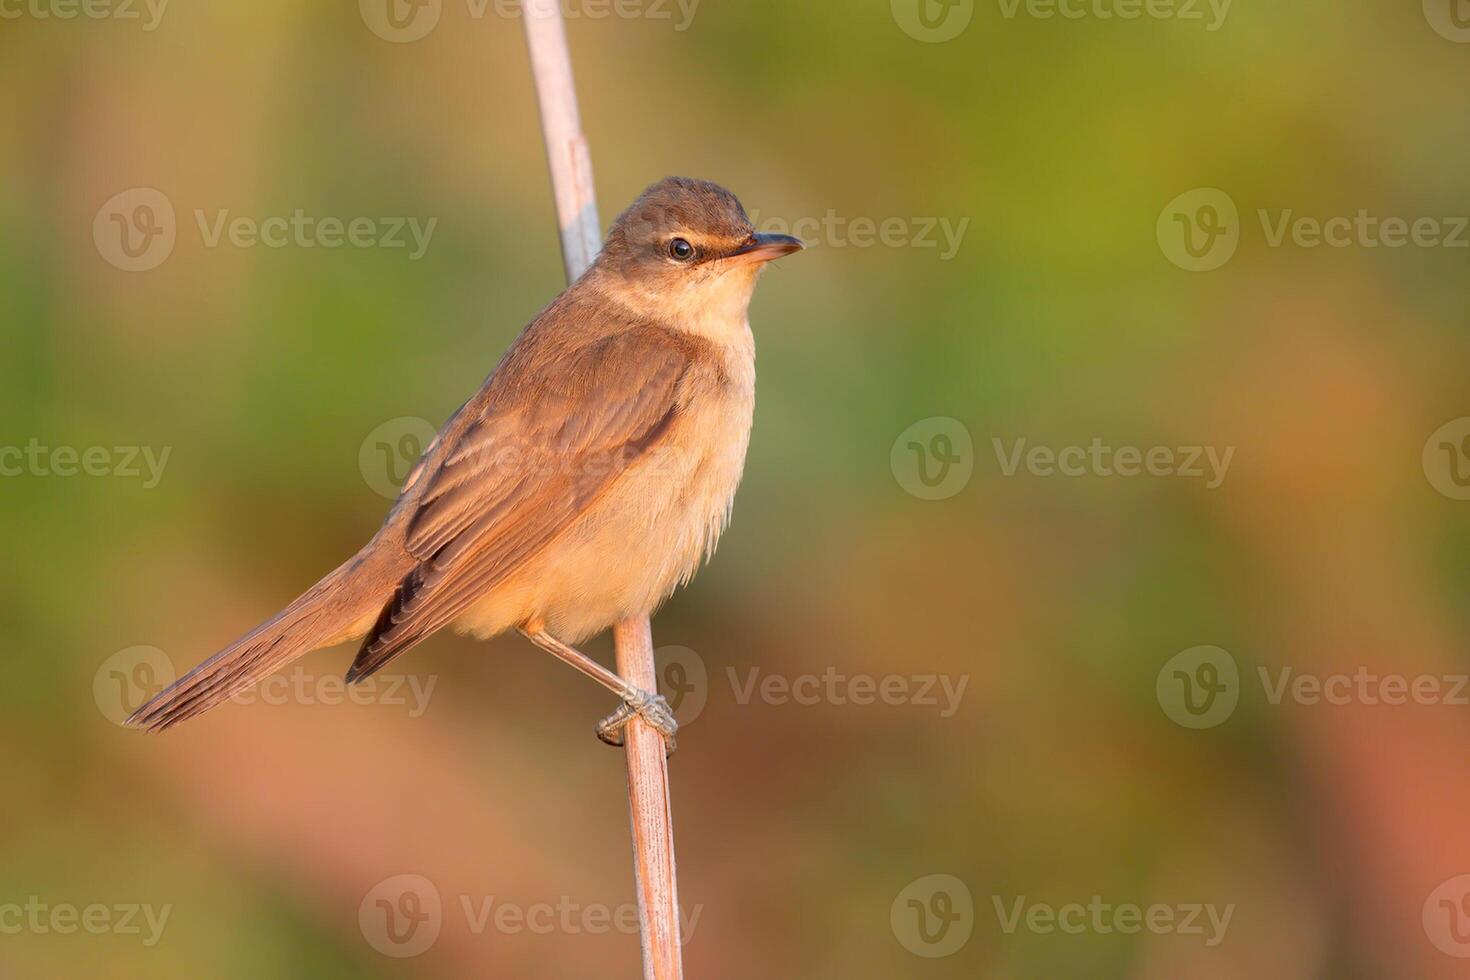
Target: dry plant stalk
x: 648, y: 773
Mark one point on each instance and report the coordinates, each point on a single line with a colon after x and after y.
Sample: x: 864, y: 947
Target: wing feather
x: 552, y: 435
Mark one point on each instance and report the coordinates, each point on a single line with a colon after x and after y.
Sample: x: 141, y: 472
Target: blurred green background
x: 284, y: 382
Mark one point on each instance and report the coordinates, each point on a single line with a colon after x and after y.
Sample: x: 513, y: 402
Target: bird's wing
x: 549, y: 437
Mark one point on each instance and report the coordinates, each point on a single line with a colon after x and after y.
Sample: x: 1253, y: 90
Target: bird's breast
x: 694, y: 476
x: 652, y: 529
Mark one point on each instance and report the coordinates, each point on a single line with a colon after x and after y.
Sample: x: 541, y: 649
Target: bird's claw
x: 652, y: 708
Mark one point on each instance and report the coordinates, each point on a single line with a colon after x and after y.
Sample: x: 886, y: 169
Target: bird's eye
x: 680, y: 250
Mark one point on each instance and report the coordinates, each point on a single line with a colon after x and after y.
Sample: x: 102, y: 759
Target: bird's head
x: 687, y: 250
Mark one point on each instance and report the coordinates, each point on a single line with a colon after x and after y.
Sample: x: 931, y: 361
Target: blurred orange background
x: 923, y: 650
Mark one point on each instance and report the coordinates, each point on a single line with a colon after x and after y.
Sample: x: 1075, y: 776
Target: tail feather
x: 383, y: 642
x: 370, y: 659
x: 339, y: 607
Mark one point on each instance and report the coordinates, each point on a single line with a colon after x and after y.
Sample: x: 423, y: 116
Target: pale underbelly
x: 648, y: 534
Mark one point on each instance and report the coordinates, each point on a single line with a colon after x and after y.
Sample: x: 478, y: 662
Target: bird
x: 588, y: 478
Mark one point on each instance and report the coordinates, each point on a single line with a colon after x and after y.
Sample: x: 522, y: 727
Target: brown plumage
x: 584, y: 481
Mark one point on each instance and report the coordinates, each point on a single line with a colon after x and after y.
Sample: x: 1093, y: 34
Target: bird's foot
x: 652, y: 708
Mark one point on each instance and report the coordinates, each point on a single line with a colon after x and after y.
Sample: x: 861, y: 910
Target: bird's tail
x: 340, y: 607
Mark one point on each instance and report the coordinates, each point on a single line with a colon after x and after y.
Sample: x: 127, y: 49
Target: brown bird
x: 588, y: 477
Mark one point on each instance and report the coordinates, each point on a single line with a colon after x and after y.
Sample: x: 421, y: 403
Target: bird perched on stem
x: 588, y: 477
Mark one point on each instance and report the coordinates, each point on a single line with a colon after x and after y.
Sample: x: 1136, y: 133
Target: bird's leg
x: 636, y: 702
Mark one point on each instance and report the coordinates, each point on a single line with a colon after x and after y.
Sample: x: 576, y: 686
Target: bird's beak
x: 765, y: 247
